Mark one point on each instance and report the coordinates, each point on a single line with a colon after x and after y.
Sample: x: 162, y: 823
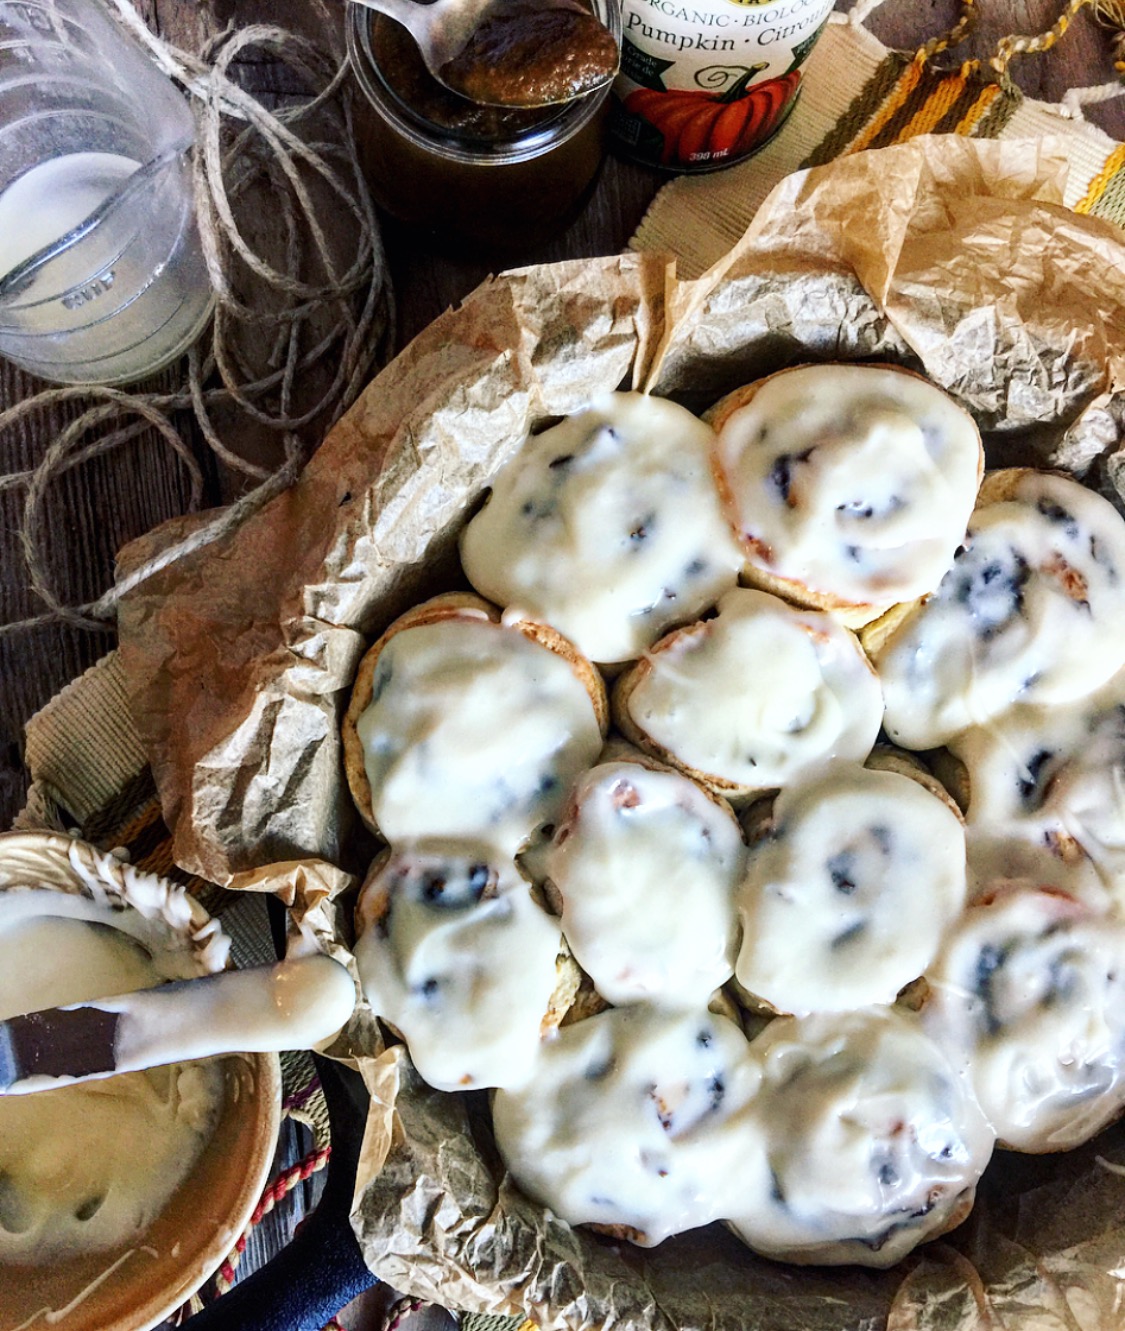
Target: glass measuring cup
x: 102, y: 276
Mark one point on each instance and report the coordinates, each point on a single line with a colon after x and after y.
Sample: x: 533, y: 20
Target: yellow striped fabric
x: 908, y: 96
x: 1104, y: 196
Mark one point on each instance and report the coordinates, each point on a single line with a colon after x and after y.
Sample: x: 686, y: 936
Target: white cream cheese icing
x: 855, y: 481
x: 457, y: 956
x: 88, y: 955
x: 1031, y: 855
x: 1047, y: 796
x: 87, y: 1168
x: 647, y: 864
x: 92, y: 1173
x: 871, y: 1140
x: 607, y: 526
x: 473, y: 730
x: 846, y: 896
x: 1029, y: 992
x: 759, y: 695
x: 1031, y: 611
x: 632, y: 1119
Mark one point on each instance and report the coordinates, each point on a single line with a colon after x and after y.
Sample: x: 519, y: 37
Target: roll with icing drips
x: 849, y: 485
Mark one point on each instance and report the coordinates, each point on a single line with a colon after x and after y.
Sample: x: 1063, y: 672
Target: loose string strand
x: 1020, y: 44
x: 288, y: 149
x: 1111, y: 14
x: 966, y: 21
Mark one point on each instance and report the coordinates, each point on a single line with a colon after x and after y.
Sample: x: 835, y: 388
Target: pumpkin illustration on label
x: 701, y: 126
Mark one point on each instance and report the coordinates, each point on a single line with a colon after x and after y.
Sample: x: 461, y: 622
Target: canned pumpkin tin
x: 705, y: 83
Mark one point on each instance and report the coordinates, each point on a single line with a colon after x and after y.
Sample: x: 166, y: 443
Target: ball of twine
x: 321, y: 310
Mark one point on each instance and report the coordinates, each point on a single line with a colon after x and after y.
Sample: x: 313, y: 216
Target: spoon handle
x: 293, y: 1005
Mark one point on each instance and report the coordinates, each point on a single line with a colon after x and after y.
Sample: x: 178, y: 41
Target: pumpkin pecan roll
x: 868, y: 1140
x: 849, y: 485
x: 466, y: 725
x: 607, y: 526
x: 1029, y: 992
x: 1032, y: 610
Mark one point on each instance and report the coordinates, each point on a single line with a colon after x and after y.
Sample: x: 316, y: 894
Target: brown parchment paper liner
x: 952, y: 256
x: 236, y: 658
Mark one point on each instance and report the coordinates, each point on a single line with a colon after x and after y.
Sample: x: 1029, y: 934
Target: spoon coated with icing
x: 296, y: 1004
x: 516, y: 53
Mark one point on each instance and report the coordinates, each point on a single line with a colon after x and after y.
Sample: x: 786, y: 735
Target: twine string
x: 401, y: 1309
x: 1110, y: 14
x: 317, y: 304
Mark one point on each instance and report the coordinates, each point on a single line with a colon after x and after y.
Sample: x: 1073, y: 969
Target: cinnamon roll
x: 607, y: 526
x: 632, y: 1122
x: 1044, y: 796
x: 1031, y: 611
x: 639, y: 852
x: 1029, y: 992
x: 458, y: 958
x: 852, y: 878
x: 849, y: 485
x: 872, y: 1142
x: 463, y: 725
x: 754, y: 698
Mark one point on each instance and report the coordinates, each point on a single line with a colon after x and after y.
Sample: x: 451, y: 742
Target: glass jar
x: 493, y: 181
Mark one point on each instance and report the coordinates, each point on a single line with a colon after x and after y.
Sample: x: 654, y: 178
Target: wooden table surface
x: 88, y: 522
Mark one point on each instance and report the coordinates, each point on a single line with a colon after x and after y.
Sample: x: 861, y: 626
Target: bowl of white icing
x: 118, y: 1197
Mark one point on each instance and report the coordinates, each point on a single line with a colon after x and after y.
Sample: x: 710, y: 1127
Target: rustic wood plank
x: 89, y: 513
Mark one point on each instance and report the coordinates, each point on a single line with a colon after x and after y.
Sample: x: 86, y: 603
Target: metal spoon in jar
x: 509, y: 52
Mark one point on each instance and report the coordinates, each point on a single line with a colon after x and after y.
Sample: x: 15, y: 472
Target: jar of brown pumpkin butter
x: 493, y: 181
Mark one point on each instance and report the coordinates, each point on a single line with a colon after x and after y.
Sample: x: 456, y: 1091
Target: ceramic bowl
x: 139, y: 1285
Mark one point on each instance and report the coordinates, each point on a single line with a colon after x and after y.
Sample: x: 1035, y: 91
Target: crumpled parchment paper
x: 949, y: 255
x: 236, y: 657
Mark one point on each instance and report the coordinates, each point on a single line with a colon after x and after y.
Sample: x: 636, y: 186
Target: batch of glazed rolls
x: 836, y: 910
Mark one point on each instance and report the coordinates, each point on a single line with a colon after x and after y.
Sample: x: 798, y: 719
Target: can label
x: 704, y: 83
